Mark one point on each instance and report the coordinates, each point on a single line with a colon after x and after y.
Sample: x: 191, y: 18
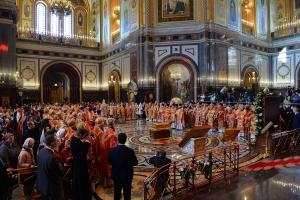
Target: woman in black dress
x: 81, y: 187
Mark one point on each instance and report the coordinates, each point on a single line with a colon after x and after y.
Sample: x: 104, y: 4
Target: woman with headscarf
x: 26, y: 160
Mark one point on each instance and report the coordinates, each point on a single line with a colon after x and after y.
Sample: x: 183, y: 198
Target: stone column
x: 8, y: 21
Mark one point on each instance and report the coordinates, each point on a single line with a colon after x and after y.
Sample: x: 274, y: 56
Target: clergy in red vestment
x: 109, y: 140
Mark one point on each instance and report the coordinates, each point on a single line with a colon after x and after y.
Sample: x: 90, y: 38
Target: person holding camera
x: 81, y: 186
x: 161, y: 162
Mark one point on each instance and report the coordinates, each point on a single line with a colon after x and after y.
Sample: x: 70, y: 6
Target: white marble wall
x: 120, y: 64
x: 162, y: 52
x: 234, y: 70
x: 30, y: 69
x: 261, y: 64
x: 285, y: 68
x: 90, y: 76
x: 239, y: 60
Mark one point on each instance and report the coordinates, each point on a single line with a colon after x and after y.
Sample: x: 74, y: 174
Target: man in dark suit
x: 296, y: 118
x: 122, y: 159
x: 161, y: 162
x: 50, y: 171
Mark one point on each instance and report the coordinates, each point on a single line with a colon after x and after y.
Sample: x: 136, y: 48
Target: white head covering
x: 28, y: 144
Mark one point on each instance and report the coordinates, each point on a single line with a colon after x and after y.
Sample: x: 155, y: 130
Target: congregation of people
x: 69, y: 145
x: 75, y: 147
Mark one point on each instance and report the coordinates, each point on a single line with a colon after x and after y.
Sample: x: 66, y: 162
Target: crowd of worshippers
x: 228, y: 95
x: 77, y: 137
x: 290, y: 110
x: 28, y: 131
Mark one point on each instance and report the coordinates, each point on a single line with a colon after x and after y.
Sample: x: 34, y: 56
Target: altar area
x: 140, y: 140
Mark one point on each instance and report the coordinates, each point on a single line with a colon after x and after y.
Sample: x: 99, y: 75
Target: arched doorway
x: 114, y: 87
x: 61, y: 83
x: 176, y: 79
x: 251, y: 79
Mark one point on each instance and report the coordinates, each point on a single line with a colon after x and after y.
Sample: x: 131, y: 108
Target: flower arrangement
x: 258, y: 103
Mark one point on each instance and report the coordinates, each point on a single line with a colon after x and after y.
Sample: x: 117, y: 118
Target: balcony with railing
x: 287, y: 27
x: 59, y: 39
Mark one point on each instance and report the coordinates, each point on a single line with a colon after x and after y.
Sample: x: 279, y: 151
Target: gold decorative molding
x: 283, y: 70
x: 90, y: 76
x: 27, y: 73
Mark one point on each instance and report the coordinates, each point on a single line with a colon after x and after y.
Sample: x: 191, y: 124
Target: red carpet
x: 271, y: 164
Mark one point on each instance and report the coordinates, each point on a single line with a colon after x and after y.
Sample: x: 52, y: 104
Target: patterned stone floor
x: 145, y: 147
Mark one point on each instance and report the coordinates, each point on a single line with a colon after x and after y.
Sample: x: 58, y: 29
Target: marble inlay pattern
x: 145, y: 147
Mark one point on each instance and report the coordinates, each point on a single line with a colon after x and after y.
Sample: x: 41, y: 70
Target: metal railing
x: 284, y: 142
x: 80, y: 41
x: 192, y: 172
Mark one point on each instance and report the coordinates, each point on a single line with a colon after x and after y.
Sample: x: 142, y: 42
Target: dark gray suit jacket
x: 49, y: 174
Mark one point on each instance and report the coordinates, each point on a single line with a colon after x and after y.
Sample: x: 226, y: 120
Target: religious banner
x: 80, y: 19
x: 133, y: 66
x: 297, y: 8
x: 220, y: 12
x: 27, y: 12
x: 26, y: 20
x: 262, y: 12
x: 175, y: 10
x: 94, y: 19
x: 106, y: 23
x: 222, y: 65
x: 125, y: 18
x: 134, y: 15
x: 80, y: 22
x: 233, y: 12
x: 280, y: 11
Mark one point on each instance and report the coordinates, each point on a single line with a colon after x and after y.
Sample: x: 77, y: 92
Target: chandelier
x: 245, y: 3
x: 61, y: 7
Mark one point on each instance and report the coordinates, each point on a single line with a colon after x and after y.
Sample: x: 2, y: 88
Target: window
x: 59, y: 25
x: 68, y: 26
x: 54, y: 25
x: 41, y: 15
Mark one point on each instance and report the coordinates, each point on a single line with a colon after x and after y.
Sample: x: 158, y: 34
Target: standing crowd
x: 75, y: 147
x: 72, y: 148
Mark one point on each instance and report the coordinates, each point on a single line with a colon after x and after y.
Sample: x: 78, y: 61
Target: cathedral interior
x: 122, y: 50
x: 60, y: 52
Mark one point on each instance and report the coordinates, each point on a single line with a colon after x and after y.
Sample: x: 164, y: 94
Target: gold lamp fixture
x: 61, y: 7
x: 245, y: 4
x: 116, y: 11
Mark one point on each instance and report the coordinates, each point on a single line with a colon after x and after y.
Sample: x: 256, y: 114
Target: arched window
x: 68, y: 25
x: 41, y: 16
x: 55, y: 24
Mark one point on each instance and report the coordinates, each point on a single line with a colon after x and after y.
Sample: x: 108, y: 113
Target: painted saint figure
x: 180, y: 7
x: 232, y: 11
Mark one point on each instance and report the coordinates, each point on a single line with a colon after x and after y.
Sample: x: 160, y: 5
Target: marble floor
x: 145, y: 147
x: 276, y: 184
